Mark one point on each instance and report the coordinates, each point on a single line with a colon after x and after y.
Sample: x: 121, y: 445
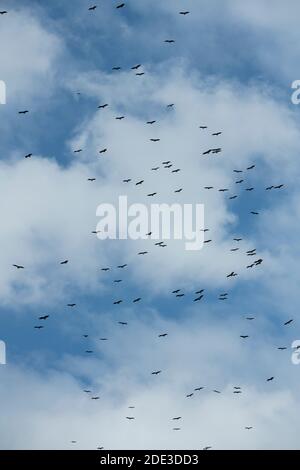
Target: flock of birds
x: 178, y: 293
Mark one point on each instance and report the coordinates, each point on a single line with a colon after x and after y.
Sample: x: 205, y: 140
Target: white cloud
x: 29, y: 57
x: 54, y: 410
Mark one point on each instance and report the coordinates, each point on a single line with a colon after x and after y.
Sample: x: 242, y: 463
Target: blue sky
x: 231, y: 68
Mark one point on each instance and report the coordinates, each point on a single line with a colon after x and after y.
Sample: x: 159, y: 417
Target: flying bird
x: 121, y: 5
x: 93, y: 8
x: 44, y: 317
x: 233, y: 274
x: 18, y: 266
x: 24, y: 112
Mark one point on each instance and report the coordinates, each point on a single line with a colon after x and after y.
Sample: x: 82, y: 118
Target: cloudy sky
x: 230, y: 69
